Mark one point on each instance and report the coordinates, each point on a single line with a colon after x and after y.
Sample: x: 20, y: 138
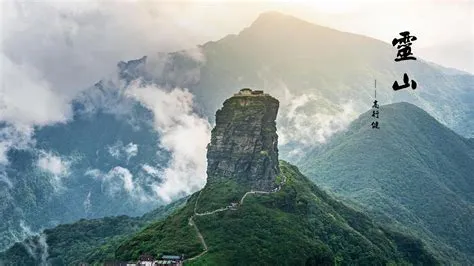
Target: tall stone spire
x: 244, y: 142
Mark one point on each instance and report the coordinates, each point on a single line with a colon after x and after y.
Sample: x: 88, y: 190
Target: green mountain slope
x: 413, y: 173
x: 300, y: 224
x: 85, y: 240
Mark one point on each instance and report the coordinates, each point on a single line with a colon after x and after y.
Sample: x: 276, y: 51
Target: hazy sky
x: 52, y: 50
x: 73, y: 43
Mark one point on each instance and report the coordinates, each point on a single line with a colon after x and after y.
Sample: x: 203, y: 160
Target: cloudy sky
x: 51, y: 51
x: 63, y: 46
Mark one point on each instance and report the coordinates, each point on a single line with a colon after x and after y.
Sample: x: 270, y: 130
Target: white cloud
x: 35, y: 243
x: 114, y: 150
x: 66, y: 44
x: 18, y: 137
x: 150, y: 170
x: 118, y: 150
x: 57, y: 167
x: 53, y: 164
x: 184, y: 134
x: 117, y: 180
x: 126, y: 177
x: 94, y: 173
x: 308, y: 118
x: 313, y: 125
x: 52, y: 50
x: 87, y: 203
x: 131, y: 150
x: 27, y: 99
x: 4, y: 179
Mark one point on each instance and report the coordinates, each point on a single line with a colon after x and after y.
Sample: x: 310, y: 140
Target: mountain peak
x: 274, y: 19
x: 271, y: 16
x: 244, y: 142
x: 405, y: 107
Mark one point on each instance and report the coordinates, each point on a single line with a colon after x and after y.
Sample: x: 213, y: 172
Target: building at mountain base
x: 148, y: 260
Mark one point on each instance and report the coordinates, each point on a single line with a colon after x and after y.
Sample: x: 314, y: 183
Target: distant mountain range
x: 314, y: 71
x: 108, y: 159
x: 81, y: 169
x: 413, y: 173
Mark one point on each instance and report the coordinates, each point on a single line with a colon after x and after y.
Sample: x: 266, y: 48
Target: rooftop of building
x: 250, y: 92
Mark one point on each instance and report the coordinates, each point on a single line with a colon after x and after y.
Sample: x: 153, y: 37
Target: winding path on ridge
x: 193, y: 224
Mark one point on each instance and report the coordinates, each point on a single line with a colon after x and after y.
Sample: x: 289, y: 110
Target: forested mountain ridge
x: 413, y: 173
x: 84, y: 240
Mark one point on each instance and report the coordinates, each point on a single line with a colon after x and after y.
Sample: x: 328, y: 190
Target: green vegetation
x: 413, y: 174
x: 86, y: 240
x: 33, y: 198
x: 220, y: 194
x: 68, y: 244
x: 298, y: 225
x: 173, y: 235
x: 278, y: 179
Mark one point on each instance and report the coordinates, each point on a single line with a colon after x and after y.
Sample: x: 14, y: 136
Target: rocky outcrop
x: 244, y: 141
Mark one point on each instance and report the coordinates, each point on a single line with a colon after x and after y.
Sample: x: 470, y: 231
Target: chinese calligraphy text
x: 375, y: 110
x: 404, y: 53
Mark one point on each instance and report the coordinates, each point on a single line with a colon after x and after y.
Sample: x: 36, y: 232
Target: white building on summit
x: 250, y: 92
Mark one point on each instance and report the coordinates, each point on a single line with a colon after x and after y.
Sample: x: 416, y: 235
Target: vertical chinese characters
x: 404, y: 46
x: 375, y: 110
x: 404, y: 53
x: 406, y: 83
x: 375, y: 113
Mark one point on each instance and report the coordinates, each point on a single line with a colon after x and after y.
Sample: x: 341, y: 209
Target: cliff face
x: 244, y: 142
